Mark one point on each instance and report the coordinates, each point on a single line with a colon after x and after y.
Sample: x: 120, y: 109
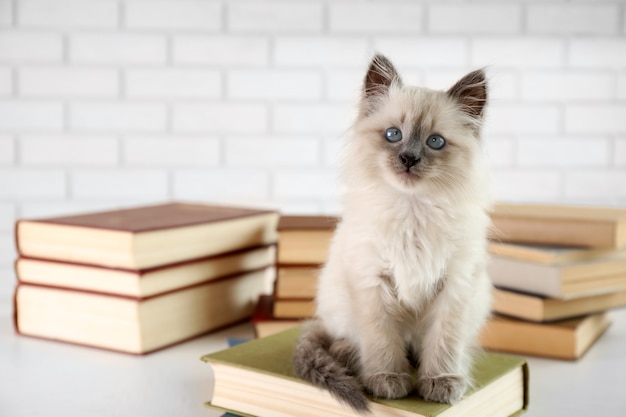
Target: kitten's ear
x: 471, y: 93
x: 380, y: 75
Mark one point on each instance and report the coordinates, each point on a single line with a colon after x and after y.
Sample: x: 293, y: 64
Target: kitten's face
x: 414, y: 138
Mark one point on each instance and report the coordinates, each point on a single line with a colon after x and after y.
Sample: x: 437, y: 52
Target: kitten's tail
x: 314, y: 362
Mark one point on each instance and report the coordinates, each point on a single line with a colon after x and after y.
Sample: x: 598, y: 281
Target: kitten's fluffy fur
x: 405, y: 283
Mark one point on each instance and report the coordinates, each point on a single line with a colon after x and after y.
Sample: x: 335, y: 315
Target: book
x: 568, y: 280
x: 547, y: 254
x: 296, y: 281
x: 264, y: 322
x: 257, y: 378
x: 304, y: 239
x: 294, y: 309
x: 553, y: 224
x: 567, y: 339
x: 537, y: 308
x: 136, y: 325
x: 146, y: 237
x: 144, y: 282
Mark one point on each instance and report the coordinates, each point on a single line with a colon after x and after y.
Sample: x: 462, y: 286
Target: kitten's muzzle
x: 408, y: 159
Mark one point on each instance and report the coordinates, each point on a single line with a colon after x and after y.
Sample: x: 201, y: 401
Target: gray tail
x: 314, y: 362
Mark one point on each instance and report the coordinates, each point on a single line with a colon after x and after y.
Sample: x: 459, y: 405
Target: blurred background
x: 107, y: 103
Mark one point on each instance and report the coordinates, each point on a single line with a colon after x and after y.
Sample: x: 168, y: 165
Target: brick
x: 310, y: 183
x: 313, y: 118
x: 192, y: 15
x: 6, y: 82
x: 117, y: 48
x: 8, y: 252
x: 576, y: 19
x: 68, y: 14
x: 68, y: 82
x: 177, y: 83
x: 333, y: 150
x: 596, y: 185
x: 271, y: 152
x: 516, y: 119
x: 221, y: 50
x: 595, y: 119
x: 7, y: 217
x: 563, y: 152
x: 532, y: 52
x: 6, y: 13
x: 620, y: 152
x: 500, y: 151
x: 621, y: 86
x: 418, y: 52
x: 24, y: 115
x: 567, y: 86
x: 68, y: 151
x: 597, y: 53
x: 275, y: 16
x: 526, y: 186
x: 118, y: 116
x: 344, y: 85
x: 18, y: 47
x: 171, y: 151
x: 221, y: 184
x: 503, y: 85
x: 321, y: 52
x: 474, y: 19
x: 32, y: 184
x: 67, y: 207
x: 7, y: 283
x: 7, y: 150
x: 100, y: 184
x: 274, y: 84
x: 391, y: 17
x: 220, y: 118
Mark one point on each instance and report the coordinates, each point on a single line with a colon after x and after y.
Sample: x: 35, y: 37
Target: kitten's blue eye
x: 435, y: 142
x: 393, y: 134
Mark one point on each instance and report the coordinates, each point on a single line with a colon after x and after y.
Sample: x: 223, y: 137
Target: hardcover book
x: 257, y: 379
x: 146, y: 237
x: 265, y: 324
x: 547, y: 254
x: 304, y: 239
x: 136, y: 325
x: 568, y: 339
x: 553, y: 224
x: 145, y: 282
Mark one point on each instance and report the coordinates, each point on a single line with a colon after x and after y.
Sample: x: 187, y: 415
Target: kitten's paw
x: 442, y: 389
x: 389, y: 384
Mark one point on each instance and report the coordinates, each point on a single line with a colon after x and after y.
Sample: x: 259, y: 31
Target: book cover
x: 145, y: 282
x: 304, y: 240
x: 538, y: 308
x: 553, y: 224
x: 135, y: 325
x: 257, y: 378
x: 548, y: 254
x: 296, y: 281
x: 565, y: 281
x: 567, y: 339
x: 147, y: 236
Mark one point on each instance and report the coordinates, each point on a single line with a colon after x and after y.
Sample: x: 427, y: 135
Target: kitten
x: 405, y: 283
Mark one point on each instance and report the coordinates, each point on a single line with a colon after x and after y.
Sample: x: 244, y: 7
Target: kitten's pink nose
x: 408, y: 159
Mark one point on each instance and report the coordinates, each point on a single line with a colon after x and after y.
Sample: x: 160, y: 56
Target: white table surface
x: 42, y: 378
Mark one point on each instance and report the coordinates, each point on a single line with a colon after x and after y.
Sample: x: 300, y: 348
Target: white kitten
x: 405, y: 283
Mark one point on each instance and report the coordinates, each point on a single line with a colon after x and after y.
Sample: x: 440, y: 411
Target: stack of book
x: 303, y: 243
x: 557, y: 270
x: 141, y: 279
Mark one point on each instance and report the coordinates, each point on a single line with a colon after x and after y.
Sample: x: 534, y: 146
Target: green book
x: 257, y: 379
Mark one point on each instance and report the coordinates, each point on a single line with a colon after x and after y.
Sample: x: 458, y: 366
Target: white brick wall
x: 109, y: 103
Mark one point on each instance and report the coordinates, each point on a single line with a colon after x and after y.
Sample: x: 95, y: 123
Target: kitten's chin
x: 404, y: 181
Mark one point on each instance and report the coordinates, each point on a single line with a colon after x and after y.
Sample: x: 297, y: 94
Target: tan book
x: 553, y: 224
x: 294, y: 309
x: 148, y: 236
x: 135, y: 325
x: 296, y: 281
x: 264, y: 322
x: 568, y: 339
x: 257, y: 379
x: 304, y: 239
x: 547, y: 254
x: 565, y: 281
x: 145, y: 282
x: 543, y: 309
